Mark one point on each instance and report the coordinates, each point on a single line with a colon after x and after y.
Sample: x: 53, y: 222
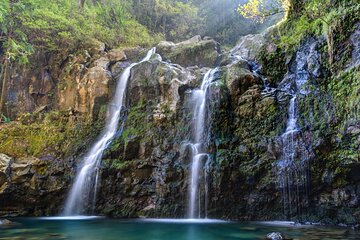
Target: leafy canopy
x: 59, y: 24
x: 258, y: 11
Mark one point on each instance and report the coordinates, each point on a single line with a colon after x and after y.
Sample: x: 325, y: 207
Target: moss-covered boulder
x: 239, y: 78
x: 193, y: 52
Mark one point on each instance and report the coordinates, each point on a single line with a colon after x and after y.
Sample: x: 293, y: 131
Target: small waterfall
x: 256, y: 69
x: 199, y: 155
x: 292, y: 169
x: 292, y: 121
x: 83, y: 192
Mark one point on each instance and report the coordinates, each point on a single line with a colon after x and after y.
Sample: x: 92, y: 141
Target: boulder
x: 116, y: 55
x: 6, y: 222
x: 156, y: 80
x: 249, y: 46
x: 195, y: 51
x: 5, y: 162
x: 102, y: 62
x: 239, y: 78
x: 94, y: 46
x: 86, y: 90
x: 31, y: 186
x: 276, y: 236
x: 134, y: 54
x: 23, y: 169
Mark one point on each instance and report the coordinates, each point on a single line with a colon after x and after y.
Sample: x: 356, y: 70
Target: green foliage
x: 258, y: 11
x: 119, y: 164
x: 344, y: 89
x: 137, y: 123
x: 56, y: 25
x: 13, y: 40
x: 29, y: 25
x: 274, y: 64
x: 139, y: 34
x: 175, y: 20
x: 222, y: 21
x: 179, y: 20
x: 4, y: 118
x: 45, y: 134
x: 316, y: 18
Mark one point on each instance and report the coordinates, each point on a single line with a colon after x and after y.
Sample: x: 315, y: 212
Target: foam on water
x: 283, y: 224
x: 65, y: 218
x: 189, y: 220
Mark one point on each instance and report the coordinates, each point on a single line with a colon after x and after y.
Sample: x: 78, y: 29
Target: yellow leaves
x: 254, y: 10
x: 258, y: 11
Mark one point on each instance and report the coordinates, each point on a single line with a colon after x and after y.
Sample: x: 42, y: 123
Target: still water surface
x: 163, y: 229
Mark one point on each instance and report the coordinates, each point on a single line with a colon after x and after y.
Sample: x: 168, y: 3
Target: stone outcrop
x: 30, y: 186
x: 80, y: 81
x: 85, y: 89
x: 249, y: 46
x: 193, y: 52
x: 145, y: 171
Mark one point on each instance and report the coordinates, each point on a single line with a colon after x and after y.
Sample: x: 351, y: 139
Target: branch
x: 268, y: 14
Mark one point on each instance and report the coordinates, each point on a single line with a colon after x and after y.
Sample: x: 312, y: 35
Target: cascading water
x: 198, y: 147
x: 83, y: 191
x: 256, y: 69
x: 293, y: 167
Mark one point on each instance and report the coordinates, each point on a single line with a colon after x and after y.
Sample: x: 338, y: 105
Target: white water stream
x: 83, y: 191
x: 199, y: 153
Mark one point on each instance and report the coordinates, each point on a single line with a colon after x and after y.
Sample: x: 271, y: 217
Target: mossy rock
x: 193, y: 52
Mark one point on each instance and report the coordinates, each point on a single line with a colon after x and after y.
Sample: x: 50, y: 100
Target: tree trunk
x: 94, y: 2
x: 4, y: 86
x: 81, y: 4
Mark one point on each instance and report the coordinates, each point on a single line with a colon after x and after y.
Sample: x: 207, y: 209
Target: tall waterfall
x: 198, y: 146
x: 83, y: 191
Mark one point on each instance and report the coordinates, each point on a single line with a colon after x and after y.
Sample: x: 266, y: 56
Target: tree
x: 14, y: 44
x: 257, y: 11
x: 82, y: 3
x: 176, y: 20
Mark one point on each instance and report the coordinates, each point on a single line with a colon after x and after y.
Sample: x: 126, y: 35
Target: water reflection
x: 107, y: 229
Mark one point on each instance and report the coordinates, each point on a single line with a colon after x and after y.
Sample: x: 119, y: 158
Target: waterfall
x: 292, y: 169
x: 83, y: 191
x: 198, y: 147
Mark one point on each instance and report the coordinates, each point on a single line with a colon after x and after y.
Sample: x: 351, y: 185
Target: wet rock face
x: 146, y: 170
x: 355, y: 39
x: 151, y: 161
x: 304, y: 68
x: 146, y: 162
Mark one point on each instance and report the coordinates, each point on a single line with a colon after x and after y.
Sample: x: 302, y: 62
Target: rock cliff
x: 145, y: 171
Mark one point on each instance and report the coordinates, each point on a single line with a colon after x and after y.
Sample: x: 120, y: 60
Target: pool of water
x: 92, y: 228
